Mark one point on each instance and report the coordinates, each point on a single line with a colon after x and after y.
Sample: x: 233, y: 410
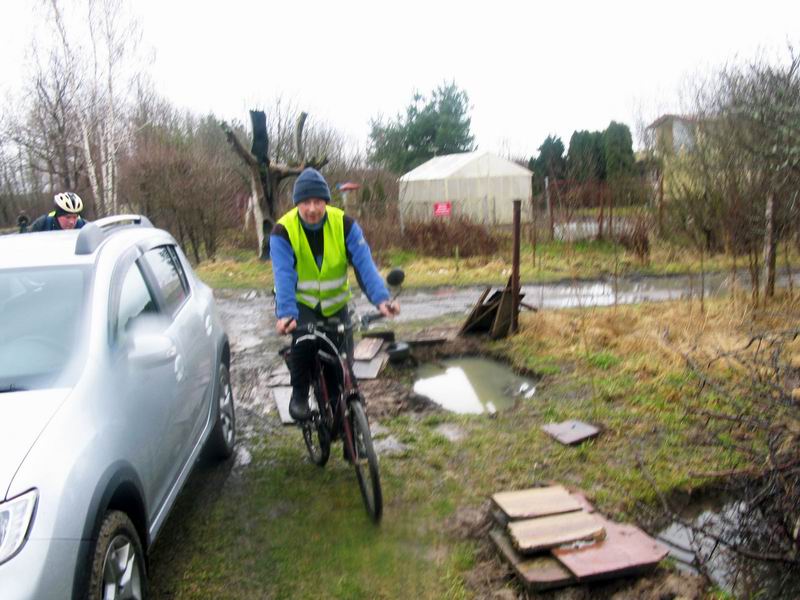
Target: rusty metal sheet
x: 571, y: 432
x: 625, y: 550
x: 367, y: 348
x: 532, y: 535
x: 536, y: 502
x: 537, y: 573
x: 369, y: 369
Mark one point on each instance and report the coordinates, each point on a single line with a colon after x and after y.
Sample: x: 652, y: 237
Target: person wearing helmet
x: 67, y: 214
x: 310, y: 247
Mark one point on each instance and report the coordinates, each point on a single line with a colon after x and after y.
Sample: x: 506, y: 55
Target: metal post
x: 515, y: 270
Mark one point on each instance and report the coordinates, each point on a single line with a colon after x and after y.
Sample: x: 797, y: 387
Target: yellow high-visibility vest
x: 328, y: 285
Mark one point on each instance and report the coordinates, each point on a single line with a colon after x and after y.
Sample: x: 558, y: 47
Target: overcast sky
x: 530, y: 68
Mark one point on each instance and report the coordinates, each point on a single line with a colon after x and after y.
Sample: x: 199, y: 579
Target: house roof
x: 465, y: 165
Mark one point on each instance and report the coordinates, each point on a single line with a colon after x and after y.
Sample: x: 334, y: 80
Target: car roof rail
x: 92, y: 234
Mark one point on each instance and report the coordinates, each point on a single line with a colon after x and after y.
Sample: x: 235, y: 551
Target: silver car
x: 113, y: 379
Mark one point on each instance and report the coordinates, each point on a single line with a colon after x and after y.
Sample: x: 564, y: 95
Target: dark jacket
x: 49, y: 222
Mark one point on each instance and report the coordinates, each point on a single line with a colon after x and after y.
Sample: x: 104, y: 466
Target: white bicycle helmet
x: 69, y: 202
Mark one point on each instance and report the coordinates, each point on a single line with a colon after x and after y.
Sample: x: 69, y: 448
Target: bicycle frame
x: 336, y: 421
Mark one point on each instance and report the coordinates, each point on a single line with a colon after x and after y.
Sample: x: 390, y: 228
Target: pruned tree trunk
x: 770, y: 246
x: 265, y: 177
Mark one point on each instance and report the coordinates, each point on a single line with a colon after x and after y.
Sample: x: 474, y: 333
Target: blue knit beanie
x: 310, y: 184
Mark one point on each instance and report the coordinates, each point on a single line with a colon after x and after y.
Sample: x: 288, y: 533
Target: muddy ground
x: 248, y: 316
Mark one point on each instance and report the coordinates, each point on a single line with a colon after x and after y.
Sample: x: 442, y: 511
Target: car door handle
x: 179, y: 371
x: 209, y: 328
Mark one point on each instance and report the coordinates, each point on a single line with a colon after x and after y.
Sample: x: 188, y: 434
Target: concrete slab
x: 542, y: 533
x: 626, y: 550
x: 537, y: 573
x: 571, y: 432
x: 536, y: 502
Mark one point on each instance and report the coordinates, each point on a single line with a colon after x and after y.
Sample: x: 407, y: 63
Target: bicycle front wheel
x: 317, y: 438
x: 366, y: 462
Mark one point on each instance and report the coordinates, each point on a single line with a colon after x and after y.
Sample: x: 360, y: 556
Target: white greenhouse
x: 479, y: 185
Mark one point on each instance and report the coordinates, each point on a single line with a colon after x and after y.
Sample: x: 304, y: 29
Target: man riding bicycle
x: 67, y: 214
x: 310, y: 247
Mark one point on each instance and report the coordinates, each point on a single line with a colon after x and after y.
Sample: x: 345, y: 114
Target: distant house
x: 479, y: 185
x: 674, y: 134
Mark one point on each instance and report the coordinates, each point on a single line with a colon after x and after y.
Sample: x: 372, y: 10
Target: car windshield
x: 42, y: 324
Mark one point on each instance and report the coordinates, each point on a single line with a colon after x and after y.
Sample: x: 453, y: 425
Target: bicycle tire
x: 366, y: 462
x: 318, y: 440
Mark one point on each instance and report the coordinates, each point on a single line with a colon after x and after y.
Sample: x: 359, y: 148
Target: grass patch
x: 554, y: 261
x: 285, y: 528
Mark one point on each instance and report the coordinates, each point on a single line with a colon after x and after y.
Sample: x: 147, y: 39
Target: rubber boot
x: 298, y: 405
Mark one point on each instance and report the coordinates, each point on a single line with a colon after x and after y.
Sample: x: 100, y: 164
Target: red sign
x: 442, y: 209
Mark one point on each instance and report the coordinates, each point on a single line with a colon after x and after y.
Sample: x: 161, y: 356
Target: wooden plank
x: 571, y: 432
x: 532, y: 535
x: 502, y: 321
x: 536, y: 502
x: 625, y: 550
x: 369, y: 369
x: 473, y: 313
x: 367, y: 348
x: 537, y: 573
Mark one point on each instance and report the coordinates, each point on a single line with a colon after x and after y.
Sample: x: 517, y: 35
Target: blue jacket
x: 285, y: 275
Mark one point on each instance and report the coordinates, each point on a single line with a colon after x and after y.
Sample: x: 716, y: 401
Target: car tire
x: 118, y: 561
x: 223, y: 436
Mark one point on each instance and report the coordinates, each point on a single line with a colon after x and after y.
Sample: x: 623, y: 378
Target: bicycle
x: 342, y: 417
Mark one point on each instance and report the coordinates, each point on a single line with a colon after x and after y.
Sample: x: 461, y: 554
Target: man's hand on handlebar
x: 389, y: 308
x: 286, y: 325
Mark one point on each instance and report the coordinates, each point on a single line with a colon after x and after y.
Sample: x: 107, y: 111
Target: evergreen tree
x: 430, y: 127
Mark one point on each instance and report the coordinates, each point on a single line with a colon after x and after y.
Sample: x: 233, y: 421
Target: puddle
x: 731, y: 572
x: 472, y: 385
x: 432, y: 303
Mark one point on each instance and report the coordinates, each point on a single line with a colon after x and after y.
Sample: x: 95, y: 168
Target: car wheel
x: 118, y: 561
x: 223, y: 436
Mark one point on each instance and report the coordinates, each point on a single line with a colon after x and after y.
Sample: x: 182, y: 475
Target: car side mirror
x: 147, y: 344
x: 150, y: 349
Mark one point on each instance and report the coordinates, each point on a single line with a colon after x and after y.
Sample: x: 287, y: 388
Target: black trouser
x: 300, y: 358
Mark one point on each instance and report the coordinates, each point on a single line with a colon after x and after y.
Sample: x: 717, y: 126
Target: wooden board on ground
x: 369, y: 369
x: 536, y: 502
x: 532, y: 535
x: 537, y: 573
x: 626, y: 550
x: 473, y: 314
x: 280, y: 368
x: 502, y: 321
x: 570, y: 432
x: 282, y: 395
x: 367, y: 348
x: 276, y: 379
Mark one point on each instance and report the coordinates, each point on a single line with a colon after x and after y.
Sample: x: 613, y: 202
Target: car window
x: 135, y: 300
x: 169, y: 277
x: 42, y: 324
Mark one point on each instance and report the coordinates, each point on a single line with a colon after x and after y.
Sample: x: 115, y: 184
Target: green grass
x: 283, y: 528
x: 553, y: 261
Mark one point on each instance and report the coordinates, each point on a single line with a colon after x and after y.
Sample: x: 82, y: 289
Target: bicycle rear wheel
x: 366, y: 462
x: 317, y: 437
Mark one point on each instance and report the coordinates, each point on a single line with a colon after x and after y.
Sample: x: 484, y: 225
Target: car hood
x: 24, y: 416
